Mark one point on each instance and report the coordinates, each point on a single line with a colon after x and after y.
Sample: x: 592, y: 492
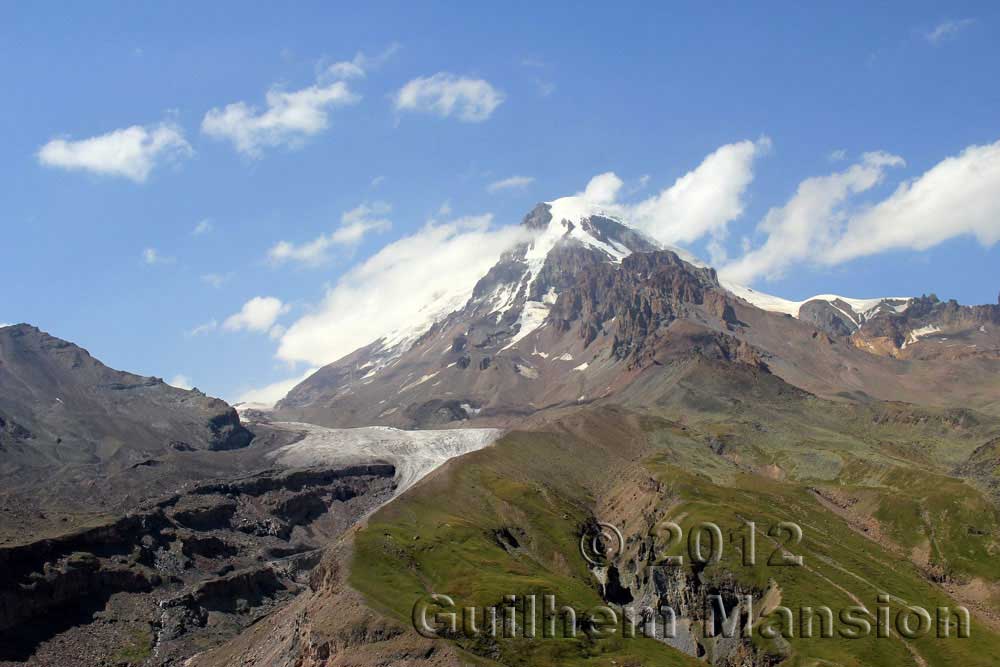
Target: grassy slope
x: 714, y: 457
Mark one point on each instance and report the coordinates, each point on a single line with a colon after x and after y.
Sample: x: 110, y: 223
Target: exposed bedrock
x: 200, y: 565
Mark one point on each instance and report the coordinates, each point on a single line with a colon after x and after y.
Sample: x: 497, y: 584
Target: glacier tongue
x: 415, y: 454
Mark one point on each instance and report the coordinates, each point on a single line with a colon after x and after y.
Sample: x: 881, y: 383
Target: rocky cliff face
x: 179, y: 573
x: 646, y: 293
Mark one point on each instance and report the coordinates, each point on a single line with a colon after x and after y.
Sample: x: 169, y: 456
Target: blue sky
x: 134, y: 244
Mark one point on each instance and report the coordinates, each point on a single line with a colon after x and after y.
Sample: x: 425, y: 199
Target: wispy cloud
x: 272, y: 393
x: 290, y: 117
x: 947, y: 30
x: 152, y: 256
x: 808, y: 221
x: 201, y: 329
x: 354, y: 225
x: 359, y: 66
x: 512, y: 183
x: 132, y: 152
x: 180, y: 381
x: 545, y: 88
x: 216, y: 280
x: 445, y: 95
x: 430, y: 271
x: 838, y: 155
x: 203, y: 227
x: 824, y: 224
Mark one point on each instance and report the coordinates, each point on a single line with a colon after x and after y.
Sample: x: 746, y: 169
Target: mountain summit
x: 589, y: 304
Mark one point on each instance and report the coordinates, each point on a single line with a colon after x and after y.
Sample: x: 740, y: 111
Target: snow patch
x: 419, y: 382
x: 572, y: 210
x: 532, y: 316
x: 526, y: 371
x: 917, y: 334
x: 469, y: 410
x: 582, y: 367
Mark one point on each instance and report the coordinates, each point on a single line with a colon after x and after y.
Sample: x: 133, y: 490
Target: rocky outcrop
x: 235, y: 548
x: 634, y: 301
x: 972, y: 330
x: 709, y: 605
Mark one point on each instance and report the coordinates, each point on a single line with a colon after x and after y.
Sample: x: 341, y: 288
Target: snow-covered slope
x: 538, y: 271
x: 863, y: 308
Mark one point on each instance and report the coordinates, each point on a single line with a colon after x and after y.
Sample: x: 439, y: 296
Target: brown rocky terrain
x: 143, y: 524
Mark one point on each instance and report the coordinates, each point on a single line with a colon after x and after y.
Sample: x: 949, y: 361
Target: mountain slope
x: 71, y: 407
x: 581, y: 310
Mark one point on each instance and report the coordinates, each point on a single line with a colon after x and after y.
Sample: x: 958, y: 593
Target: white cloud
x: 700, y: 203
x: 703, y: 201
x: 132, y: 152
x: 207, y: 327
x: 603, y: 188
x: 959, y: 196
x: 445, y: 209
x: 272, y: 393
x: 354, y: 225
x: 349, y: 69
x: 512, y: 183
x: 258, y: 314
x: 444, y: 94
x: 545, y: 88
x: 203, y: 227
x: 152, y: 256
x: 431, y: 271
x: 838, y: 155
x: 216, y: 280
x: 359, y: 66
x: 946, y: 30
x: 810, y: 221
x: 180, y: 381
x: 377, y: 181
x: 288, y: 119
x: 956, y: 197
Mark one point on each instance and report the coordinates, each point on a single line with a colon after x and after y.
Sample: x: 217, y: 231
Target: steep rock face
x: 930, y: 329
x: 647, y: 292
x: 828, y: 317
